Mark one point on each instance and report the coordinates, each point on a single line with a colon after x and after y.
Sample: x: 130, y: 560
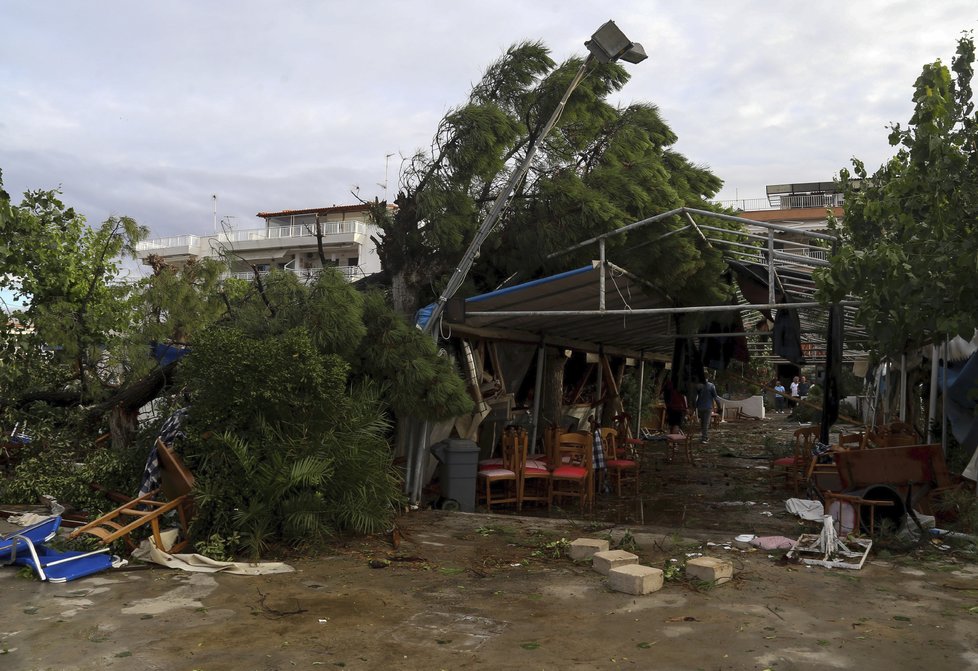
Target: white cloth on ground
x: 805, y: 509
x: 147, y: 551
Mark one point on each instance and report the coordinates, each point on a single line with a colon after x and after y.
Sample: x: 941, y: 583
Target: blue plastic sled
x: 25, y: 547
x: 57, y: 566
x: 42, y: 532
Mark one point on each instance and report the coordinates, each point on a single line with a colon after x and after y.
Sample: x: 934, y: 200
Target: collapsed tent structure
x: 605, y: 309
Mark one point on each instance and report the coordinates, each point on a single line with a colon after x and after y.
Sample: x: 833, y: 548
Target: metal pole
x: 903, y: 387
x: 601, y: 278
x: 944, y: 404
x: 455, y: 281
x: 537, y: 387
x: 932, y: 401
x: 421, y: 461
x: 652, y: 311
x: 641, y: 389
x: 407, y: 433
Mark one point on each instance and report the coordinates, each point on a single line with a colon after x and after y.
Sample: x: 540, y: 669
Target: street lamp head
x: 608, y: 44
x: 635, y: 55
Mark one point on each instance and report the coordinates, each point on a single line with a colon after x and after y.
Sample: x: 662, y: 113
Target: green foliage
x: 218, y: 547
x: 57, y: 468
x: 601, y: 167
x: 65, y: 270
x: 909, y: 239
x: 418, y: 381
x: 555, y: 549
x: 301, y: 449
x: 237, y: 380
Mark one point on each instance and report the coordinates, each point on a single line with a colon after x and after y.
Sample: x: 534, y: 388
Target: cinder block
x: 710, y: 569
x: 585, y: 548
x: 635, y: 579
x: 602, y: 562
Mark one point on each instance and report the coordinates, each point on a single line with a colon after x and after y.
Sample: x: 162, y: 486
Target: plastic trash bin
x: 459, y: 461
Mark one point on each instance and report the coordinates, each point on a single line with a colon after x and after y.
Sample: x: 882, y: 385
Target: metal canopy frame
x: 604, y: 307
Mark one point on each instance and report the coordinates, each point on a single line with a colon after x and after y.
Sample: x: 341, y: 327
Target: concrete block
x: 710, y: 569
x: 635, y: 579
x: 602, y: 562
x: 585, y: 548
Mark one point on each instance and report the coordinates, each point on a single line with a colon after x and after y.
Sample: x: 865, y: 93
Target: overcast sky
x: 147, y: 109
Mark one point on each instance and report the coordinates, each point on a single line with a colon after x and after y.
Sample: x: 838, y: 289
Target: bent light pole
x: 607, y: 45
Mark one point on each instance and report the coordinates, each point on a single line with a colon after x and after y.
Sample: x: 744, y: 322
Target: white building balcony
x: 350, y: 273
x: 267, y: 240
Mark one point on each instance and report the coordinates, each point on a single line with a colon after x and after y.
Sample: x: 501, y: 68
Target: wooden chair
x: 795, y: 467
x: 676, y: 442
x: 505, y: 476
x: 622, y: 465
x: 149, y: 509
x: 858, y: 519
x: 534, y: 483
x: 853, y: 441
x: 632, y: 445
x: 551, y: 438
x: 573, y: 475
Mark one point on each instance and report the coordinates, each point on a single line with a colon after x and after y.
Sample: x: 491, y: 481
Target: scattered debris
x: 833, y: 552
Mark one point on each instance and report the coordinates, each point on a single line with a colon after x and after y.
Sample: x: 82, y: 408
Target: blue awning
x: 528, y: 312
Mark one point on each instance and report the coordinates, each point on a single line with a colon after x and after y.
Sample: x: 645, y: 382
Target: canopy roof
x: 604, y: 306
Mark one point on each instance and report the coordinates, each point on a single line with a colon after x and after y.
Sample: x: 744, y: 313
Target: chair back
x: 623, y: 425
x: 551, y: 438
x: 609, y: 442
x: 853, y: 441
x: 176, y: 479
x: 575, y: 449
x: 805, y: 438
x: 514, y: 447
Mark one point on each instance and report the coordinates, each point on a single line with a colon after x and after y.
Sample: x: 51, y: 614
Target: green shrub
x: 294, y: 455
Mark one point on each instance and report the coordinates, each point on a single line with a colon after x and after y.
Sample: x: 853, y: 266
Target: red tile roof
x: 334, y: 209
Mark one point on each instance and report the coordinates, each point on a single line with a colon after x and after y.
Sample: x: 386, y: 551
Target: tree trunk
x: 552, y: 403
x: 123, y: 426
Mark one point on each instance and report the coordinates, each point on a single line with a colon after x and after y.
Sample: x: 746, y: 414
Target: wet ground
x: 471, y: 591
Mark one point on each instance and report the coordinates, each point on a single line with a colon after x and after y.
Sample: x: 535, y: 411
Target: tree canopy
x: 292, y: 385
x: 601, y: 168
x: 909, y: 239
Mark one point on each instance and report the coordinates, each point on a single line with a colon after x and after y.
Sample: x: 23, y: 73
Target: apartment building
x: 289, y: 240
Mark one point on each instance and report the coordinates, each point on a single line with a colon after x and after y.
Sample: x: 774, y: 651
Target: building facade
x: 289, y: 241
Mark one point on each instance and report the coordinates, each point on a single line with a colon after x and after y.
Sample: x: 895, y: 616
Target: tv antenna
x: 387, y: 161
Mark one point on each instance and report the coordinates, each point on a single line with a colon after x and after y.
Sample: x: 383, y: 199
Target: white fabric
x: 147, y: 551
x: 971, y: 470
x: 845, y: 513
x: 27, y: 519
x: 805, y: 509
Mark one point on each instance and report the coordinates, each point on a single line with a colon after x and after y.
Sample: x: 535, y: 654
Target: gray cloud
x: 147, y: 109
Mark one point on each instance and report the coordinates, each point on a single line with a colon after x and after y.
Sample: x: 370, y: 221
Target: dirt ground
x: 470, y: 591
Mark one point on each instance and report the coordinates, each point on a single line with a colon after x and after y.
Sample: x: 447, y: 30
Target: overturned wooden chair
x: 148, y: 509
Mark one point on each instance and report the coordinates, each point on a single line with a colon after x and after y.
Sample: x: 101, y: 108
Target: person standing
x: 706, y: 401
x: 793, y: 390
x: 803, y: 387
x: 676, y: 406
x: 778, y: 396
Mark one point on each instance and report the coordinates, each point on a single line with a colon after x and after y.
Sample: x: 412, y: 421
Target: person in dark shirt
x: 676, y: 406
x: 803, y: 387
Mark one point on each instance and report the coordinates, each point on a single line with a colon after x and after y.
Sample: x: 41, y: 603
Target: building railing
x: 786, y: 202
x: 350, y: 273
x: 330, y: 228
